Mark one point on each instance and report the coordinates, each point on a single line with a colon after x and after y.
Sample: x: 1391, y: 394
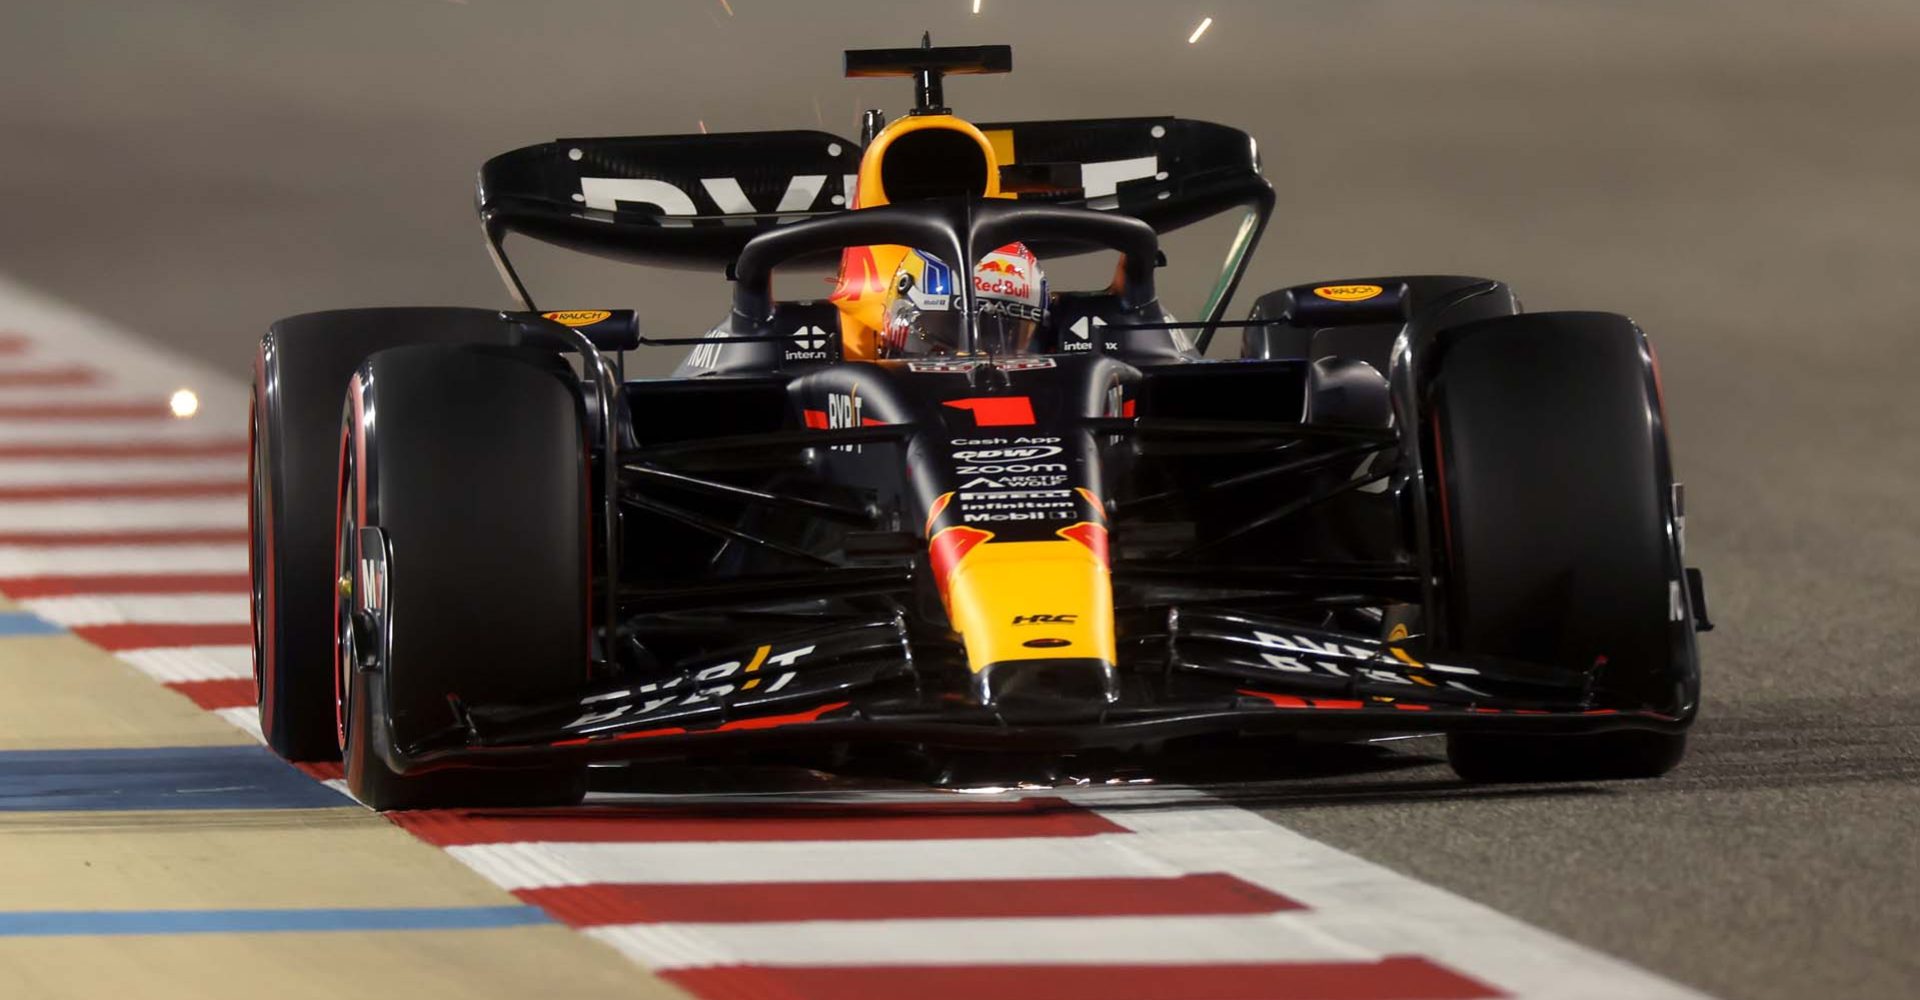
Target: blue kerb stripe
x: 26, y: 623
x: 240, y: 777
x: 46, y: 923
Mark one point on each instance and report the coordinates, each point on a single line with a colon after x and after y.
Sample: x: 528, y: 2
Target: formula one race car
x: 952, y: 508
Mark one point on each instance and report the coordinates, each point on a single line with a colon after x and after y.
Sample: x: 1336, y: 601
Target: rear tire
x: 1553, y: 492
x: 300, y: 372
x: 474, y: 480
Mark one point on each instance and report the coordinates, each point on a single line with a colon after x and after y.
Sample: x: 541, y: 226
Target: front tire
x: 473, y: 483
x: 300, y: 371
x: 1553, y: 493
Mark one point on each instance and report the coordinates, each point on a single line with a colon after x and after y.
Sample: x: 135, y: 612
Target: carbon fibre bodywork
x: 1109, y: 541
x: 796, y: 548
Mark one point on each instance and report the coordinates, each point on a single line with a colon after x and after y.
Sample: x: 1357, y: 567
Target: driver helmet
x: 923, y: 314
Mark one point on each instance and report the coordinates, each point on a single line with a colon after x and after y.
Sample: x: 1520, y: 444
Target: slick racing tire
x: 1552, y: 493
x: 300, y: 373
x: 463, y: 533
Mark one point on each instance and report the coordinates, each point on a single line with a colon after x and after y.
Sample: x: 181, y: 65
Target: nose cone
x: 1050, y: 689
x: 1036, y: 617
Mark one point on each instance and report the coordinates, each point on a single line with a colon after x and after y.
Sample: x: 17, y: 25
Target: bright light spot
x: 976, y: 6
x: 184, y: 403
x: 1205, y: 23
x: 724, y: 5
x: 703, y: 126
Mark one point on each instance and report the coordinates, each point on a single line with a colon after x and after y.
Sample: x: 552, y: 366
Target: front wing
x: 1218, y: 673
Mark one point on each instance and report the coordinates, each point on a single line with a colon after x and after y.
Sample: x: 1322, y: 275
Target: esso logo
x: 1008, y: 454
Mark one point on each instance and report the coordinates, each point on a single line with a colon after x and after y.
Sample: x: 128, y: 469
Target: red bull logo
x: 1005, y: 267
x: 1018, y: 289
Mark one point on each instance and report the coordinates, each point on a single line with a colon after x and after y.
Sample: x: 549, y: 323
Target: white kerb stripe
x: 1278, y: 937
x: 110, y: 560
x: 538, y: 865
x: 156, y: 609
x: 60, y: 331
x: 192, y: 663
x: 123, y: 515
x: 93, y: 472
x: 1378, y: 909
x: 32, y: 430
x: 247, y: 720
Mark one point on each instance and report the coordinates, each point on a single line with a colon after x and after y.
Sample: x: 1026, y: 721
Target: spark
x: 703, y: 126
x: 724, y: 5
x: 1205, y: 23
x: 184, y: 403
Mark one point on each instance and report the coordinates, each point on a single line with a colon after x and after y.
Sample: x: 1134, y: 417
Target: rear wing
x: 1167, y: 172
x: 693, y: 201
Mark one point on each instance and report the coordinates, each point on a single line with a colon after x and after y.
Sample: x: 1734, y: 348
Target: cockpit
x: 901, y: 214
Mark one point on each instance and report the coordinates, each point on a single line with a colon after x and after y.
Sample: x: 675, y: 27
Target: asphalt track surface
x: 1738, y: 177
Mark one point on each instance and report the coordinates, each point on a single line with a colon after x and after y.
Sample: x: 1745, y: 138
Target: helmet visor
x: 1000, y: 330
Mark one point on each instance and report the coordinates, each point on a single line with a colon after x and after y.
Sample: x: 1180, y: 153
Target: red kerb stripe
x: 225, y: 693
x: 125, y: 583
x: 118, y: 491
x: 35, y: 378
x: 115, y: 638
x: 1395, y: 978
x: 172, y: 536
x: 1187, y: 895
x: 1038, y: 817
x: 219, y: 448
x: 328, y: 770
